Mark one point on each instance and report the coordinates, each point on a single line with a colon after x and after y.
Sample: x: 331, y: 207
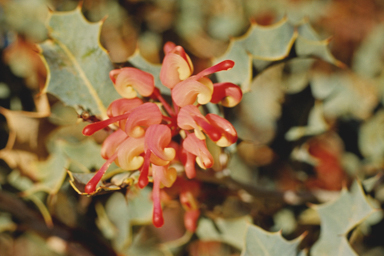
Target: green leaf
x: 263, y: 46
x: 316, y: 124
x: 86, y: 153
x: 341, y: 91
x: 241, y: 73
x: 265, y: 43
x: 313, y: 48
x: 338, y: 218
x: 262, y: 243
x: 50, y: 174
x: 230, y: 231
x: 77, y: 64
x: 122, y: 213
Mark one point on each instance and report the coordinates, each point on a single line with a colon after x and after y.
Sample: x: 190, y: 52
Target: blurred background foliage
x: 311, y: 121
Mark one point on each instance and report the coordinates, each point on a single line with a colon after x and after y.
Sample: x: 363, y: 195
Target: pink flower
x: 198, y: 87
x: 177, y: 66
x: 150, y: 134
x: 129, y: 80
x: 228, y: 94
x: 217, y: 128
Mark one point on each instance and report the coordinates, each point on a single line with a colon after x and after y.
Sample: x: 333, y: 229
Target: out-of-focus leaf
x: 261, y: 46
x: 143, y: 244
x: 263, y: 243
x: 6, y: 223
x: 308, y: 44
x: 26, y: 185
x: 341, y: 92
x: 27, y: 17
x: 366, y: 60
x: 27, y: 134
x: 124, y: 212
x: 338, y: 218
x: 50, y: 174
x: 32, y: 244
x: 78, y: 66
x: 318, y: 49
x: 62, y: 115
x: 296, y: 74
x: 259, y: 109
x: 25, y: 62
x: 230, y: 231
x: 86, y: 153
x: 371, y: 139
x: 316, y: 124
x: 263, y: 43
x: 285, y: 221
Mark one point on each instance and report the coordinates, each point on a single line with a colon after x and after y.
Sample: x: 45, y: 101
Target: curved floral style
x: 150, y: 135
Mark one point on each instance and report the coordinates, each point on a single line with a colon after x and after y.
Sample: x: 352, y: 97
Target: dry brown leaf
x: 27, y: 131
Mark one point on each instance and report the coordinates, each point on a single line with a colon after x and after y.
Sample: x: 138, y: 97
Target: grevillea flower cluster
x: 153, y: 134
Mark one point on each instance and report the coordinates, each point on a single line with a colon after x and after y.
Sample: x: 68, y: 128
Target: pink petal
x: 185, y: 117
x: 157, y: 139
x: 92, y: 128
x: 222, y: 66
x: 143, y: 179
x: 228, y: 132
x: 168, y: 47
x: 190, y: 90
x: 176, y: 67
x: 198, y: 148
x: 123, y: 106
x: 190, y: 117
x: 167, y: 175
x: 90, y: 187
x: 129, y: 154
x: 142, y: 117
x: 129, y: 78
x: 157, y: 216
x: 188, y: 160
x: 113, y: 74
x: 228, y: 94
x: 112, y: 142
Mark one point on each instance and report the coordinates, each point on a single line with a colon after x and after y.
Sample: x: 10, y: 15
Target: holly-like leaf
x: 266, y: 43
x: 78, y: 66
x: 262, y: 46
x: 308, y: 44
x: 337, y: 219
x: 262, y: 243
x: 231, y: 231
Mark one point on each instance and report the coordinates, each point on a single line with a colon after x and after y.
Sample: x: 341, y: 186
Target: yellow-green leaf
x: 78, y: 66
